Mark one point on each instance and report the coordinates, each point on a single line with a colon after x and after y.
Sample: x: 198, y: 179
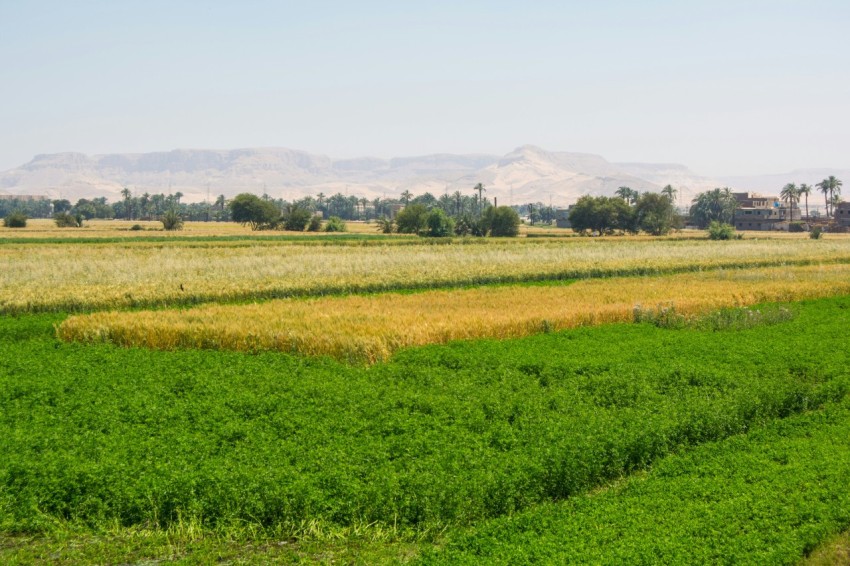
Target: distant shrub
x: 335, y: 224
x: 136, y: 227
x: 297, y: 219
x: 171, y: 221
x: 315, y: 224
x: 797, y: 227
x: 15, y: 220
x: 721, y: 231
x: 816, y: 233
x: 68, y: 220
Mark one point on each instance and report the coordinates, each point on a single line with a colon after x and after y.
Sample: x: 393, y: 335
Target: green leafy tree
x: 601, y: 214
x: 654, y: 214
x: 63, y: 205
x: 412, y: 219
x: 296, y: 218
x: 249, y: 209
x: 439, y: 225
x: 504, y: 221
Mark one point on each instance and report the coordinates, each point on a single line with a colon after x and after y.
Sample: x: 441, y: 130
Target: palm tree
x: 459, y: 201
x: 830, y: 187
x: 481, y: 190
x: 790, y: 194
x: 125, y: 192
x: 804, y: 191
x: 406, y: 196
x: 836, y: 185
x: 718, y: 204
x: 670, y: 193
x: 624, y: 193
x: 145, y: 202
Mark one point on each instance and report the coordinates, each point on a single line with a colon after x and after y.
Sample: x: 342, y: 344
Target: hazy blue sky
x: 725, y: 87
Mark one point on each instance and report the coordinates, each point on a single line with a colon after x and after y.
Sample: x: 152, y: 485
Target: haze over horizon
x: 724, y: 88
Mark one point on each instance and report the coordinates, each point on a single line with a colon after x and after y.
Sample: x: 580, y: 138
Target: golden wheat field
x: 43, y: 228
x: 67, y: 277
x: 370, y: 328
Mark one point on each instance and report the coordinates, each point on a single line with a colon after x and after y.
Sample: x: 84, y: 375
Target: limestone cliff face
x: 526, y: 174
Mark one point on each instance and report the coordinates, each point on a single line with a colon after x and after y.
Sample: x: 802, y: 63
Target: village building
x: 842, y: 214
x: 562, y: 218
x: 763, y: 212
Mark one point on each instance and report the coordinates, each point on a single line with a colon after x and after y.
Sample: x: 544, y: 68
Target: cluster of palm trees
x: 830, y: 187
x: 631, y: 196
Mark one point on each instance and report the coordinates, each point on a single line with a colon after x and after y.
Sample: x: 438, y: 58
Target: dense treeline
x: 629, y: 211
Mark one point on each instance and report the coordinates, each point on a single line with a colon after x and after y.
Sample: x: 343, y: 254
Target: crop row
x: 74, y: 277
x: 372, y: 327
x: 453, y: 434
x: 767, y: 497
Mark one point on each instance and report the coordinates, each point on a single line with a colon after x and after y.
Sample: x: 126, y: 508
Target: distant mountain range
x: 527, y: 174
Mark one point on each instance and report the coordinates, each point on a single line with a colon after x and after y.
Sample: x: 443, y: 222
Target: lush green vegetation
x: 630, y: 211
x: 768, y: 497
x: 103, y: 436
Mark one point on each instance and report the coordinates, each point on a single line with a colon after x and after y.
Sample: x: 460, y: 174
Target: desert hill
x: 526, y: 174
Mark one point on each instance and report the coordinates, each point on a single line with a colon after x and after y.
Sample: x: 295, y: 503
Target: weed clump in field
x: 665, y: 316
